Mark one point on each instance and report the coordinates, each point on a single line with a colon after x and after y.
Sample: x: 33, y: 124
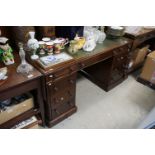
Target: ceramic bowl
x: 46, y: 39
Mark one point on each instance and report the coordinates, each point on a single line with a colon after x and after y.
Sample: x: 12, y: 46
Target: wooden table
x: 143, y: 37
x: 105, y: 66
x: 17, y: 84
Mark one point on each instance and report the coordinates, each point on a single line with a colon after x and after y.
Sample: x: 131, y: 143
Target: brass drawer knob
x: 50, y: 76
x: 49, y: 84
x: 122, y: 58
x: 61, y: 98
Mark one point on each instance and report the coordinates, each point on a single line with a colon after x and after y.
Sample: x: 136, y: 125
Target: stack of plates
x: 115, y: 31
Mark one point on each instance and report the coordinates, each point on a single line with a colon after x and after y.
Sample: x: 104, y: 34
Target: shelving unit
x: 18, y: 84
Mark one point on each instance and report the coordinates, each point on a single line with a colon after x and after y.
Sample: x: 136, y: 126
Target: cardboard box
x: 16, y: 110
x: 139, y: 55
x: 148, y: 71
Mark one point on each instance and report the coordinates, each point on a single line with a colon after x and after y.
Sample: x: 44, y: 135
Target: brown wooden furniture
x: 18, y: 84
x: 147, y: 83
x: 106, y: 66
x: 59, y: 91
x: 110, y: 59
x: 44, y: 31
x: 144, y: 37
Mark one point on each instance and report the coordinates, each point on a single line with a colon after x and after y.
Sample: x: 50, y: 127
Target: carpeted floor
x: 123, y: 107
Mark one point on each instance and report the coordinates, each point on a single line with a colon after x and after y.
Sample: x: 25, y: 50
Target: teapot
x: 73, y: 47
x: 80, y: 41
x: 76, y: 44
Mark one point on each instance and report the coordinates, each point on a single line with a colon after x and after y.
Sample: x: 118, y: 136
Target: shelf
x: 19, y: 118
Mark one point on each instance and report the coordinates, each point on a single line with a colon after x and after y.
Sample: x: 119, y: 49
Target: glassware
x: 24, y: 67
x: 101, y: 37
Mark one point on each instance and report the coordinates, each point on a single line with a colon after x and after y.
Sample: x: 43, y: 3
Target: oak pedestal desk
x: 17, y: 84
x: 105, y: 66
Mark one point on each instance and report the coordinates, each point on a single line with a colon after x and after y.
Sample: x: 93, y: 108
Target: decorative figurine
x: 76, y: 44
x: 6, y: 51
x: 24, y: 67
x: 90, y: 43
x: 73, y: 47
x: 80, y: 41
x: 33, y: 45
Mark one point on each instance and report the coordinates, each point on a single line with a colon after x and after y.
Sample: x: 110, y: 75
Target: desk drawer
x: 56, y: 112
x: 61, y: 73
x: 120, y: 60
x: 94, y: 60
x: 122, y: 50
x: 59, y: 85
x: 62, y: 98
x: 116, y: 75
x: 62, y: 90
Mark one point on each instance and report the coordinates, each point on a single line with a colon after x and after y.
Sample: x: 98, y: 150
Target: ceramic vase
x: 33, y: 45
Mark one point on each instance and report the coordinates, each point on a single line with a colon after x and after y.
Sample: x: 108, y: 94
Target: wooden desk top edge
x: 76, y: 60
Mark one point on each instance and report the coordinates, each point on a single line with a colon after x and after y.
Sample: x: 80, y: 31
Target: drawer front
x: 122, y: 50
x: 62, y: 98
x: 120, y: 60
x: 117, y: 74
x: 61, y: 91
x: 62, y: 73
x: 93, y: 60
x: 61, y: 84
x: 56, y: 112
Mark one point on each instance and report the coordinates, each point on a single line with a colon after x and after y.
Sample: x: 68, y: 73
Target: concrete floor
x: 123, y: 107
